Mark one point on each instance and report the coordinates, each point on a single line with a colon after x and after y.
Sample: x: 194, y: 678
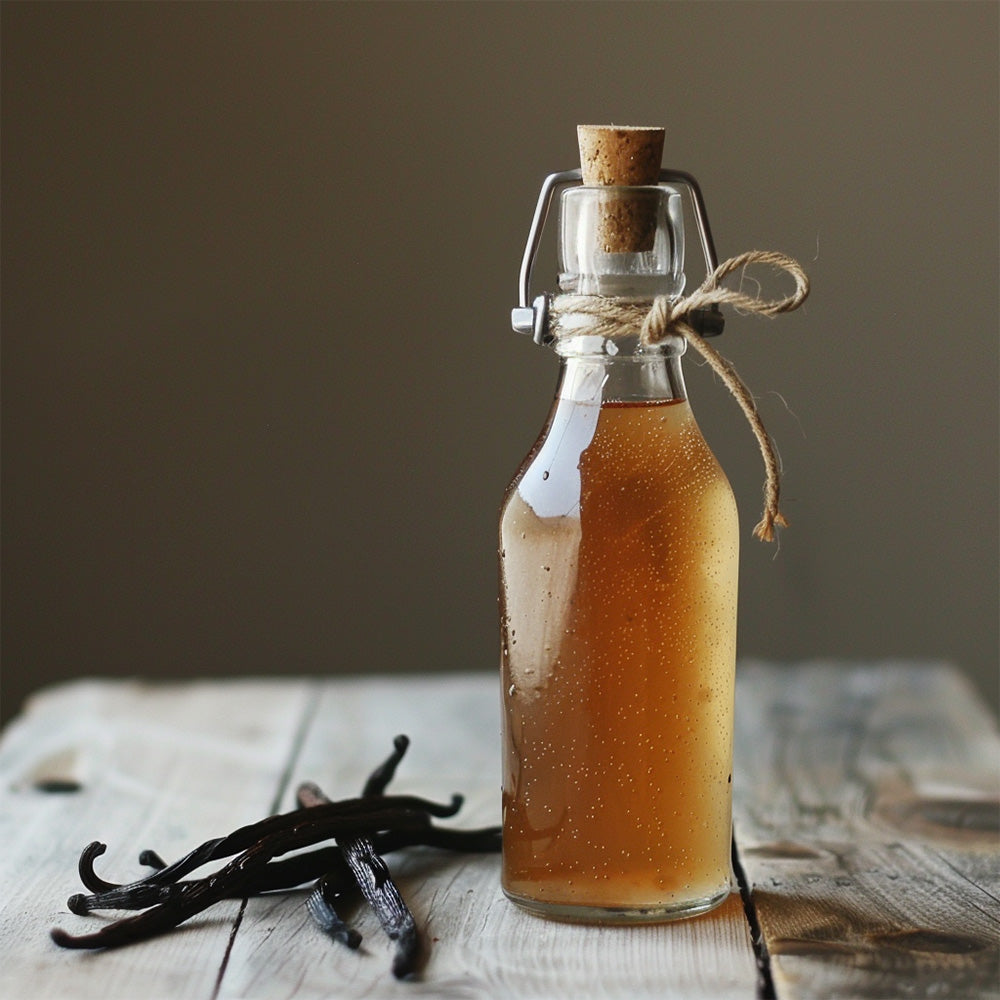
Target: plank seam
x: 295, y: 751
x: 765, y: 981
x: 986, y: 892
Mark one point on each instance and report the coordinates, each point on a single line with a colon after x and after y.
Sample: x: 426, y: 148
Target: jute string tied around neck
x: 663, y: 318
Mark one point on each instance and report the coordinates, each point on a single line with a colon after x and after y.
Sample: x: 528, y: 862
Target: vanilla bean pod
x: 196, y: 895
x: 321, y: 905
x: 379, y: 779
x: 246, y: 836
x: 85, y: 868
x: 165, y: 873
x: 323, y: 900
x: 289, y: 873
x: 372, y: 873
x: 362, y: 828
x: 373, y: 877
x: 384, y: 897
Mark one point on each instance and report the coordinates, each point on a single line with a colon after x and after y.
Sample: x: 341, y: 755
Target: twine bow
x: 665, y: 318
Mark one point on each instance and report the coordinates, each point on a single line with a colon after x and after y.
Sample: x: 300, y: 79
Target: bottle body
x: 618, y: 568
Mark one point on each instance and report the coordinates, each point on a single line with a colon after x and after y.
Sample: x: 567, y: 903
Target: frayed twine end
x: 670, y: 317
x: 765, y: 526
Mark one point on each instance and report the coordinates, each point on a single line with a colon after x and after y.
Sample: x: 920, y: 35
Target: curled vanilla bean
x: 362, y: 829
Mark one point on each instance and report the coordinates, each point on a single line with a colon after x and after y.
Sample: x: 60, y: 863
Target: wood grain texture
x: 866, y: 817
x: 865, y: 814
x: 169, y: 767
x: 161, y: 767
x: 478, y: 944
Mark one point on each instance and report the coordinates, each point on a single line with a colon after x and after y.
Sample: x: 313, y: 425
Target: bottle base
x: 630, y: 914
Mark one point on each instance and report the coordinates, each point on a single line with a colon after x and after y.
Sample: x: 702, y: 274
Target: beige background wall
x: 260, y: 396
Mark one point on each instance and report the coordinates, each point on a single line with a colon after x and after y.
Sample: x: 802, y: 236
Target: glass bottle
x: 618, y: 589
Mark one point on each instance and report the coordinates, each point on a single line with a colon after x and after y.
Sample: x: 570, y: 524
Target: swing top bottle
x: 618, y: 585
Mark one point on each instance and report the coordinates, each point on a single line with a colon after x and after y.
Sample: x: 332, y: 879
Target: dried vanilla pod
x: 361, y: 830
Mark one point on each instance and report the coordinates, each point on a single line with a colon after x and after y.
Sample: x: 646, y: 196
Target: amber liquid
x: 618, y: 554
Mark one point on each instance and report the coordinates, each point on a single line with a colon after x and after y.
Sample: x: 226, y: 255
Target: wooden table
x: 866, y: 822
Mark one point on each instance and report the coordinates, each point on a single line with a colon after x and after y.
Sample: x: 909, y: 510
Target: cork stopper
x: 620, y: 154
x: 623, y: 156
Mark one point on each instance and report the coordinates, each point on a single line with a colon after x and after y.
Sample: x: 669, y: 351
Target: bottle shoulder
x: 627, y: 452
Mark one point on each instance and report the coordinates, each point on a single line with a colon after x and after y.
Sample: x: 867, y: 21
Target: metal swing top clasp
x: 531, y: 317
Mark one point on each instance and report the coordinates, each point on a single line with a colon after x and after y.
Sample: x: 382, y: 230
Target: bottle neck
x: 596, y: 370
x: 625, y: 244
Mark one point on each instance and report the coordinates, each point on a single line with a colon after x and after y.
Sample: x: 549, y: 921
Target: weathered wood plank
x: 164, y: 767
x: 480, y: 944
x: 865, y: 812
x: 866, y: 816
